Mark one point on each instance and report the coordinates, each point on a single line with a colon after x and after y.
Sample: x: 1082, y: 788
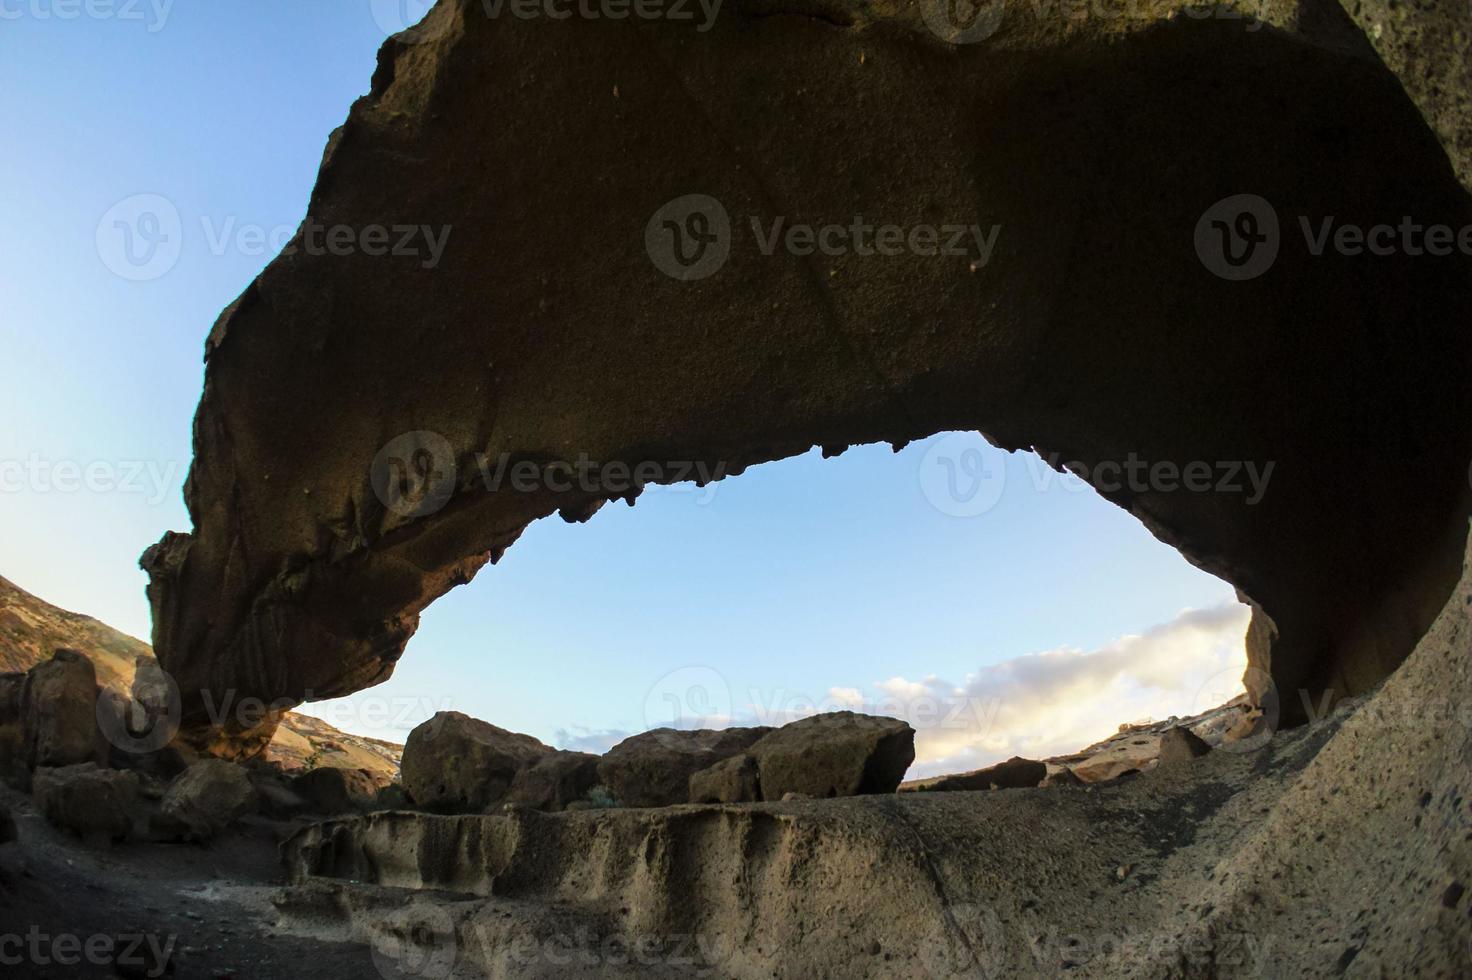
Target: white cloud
x: 1059, y: 701
x: 580, y: 739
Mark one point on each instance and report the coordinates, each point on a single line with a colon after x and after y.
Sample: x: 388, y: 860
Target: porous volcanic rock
x: 840, y: 753
x: 1015, y: 773
x: 553, y: 781
x: 654, y: 767
x: 205, y: 799
x: 87, y: 800
x: 454, y: 763
x: 1180, y: 744
x: 1101, y: 328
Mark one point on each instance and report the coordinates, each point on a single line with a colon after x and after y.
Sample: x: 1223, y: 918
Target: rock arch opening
x: 998, y: 606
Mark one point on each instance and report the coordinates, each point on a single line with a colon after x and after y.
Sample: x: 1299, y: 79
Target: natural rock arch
x: 546, y: 333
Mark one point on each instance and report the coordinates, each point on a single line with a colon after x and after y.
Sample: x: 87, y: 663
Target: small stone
x: 1123, y: 871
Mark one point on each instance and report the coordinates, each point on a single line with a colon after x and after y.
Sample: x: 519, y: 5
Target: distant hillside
x: 31, y: 629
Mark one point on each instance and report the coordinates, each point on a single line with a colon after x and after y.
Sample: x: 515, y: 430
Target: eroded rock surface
x: 332, y: 505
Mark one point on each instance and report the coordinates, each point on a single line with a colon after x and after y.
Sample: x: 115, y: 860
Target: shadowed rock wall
x: 544, y: 330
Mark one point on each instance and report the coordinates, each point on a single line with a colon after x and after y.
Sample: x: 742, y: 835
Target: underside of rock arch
x: 1094, y: 329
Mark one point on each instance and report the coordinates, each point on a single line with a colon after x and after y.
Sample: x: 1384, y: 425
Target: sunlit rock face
x: 357, y: 403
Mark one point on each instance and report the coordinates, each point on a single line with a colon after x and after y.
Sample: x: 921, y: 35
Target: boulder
x: 554, y: 781
x: 274, y: 794
x: 733, y: 780
x: 58, y: 703
x: 1015, y: 773
x: 1180, y: 744
x: 654, y: 768
x: 331, y: 791
x: 14, y: 769
x: 1133, y: 752
x: 836, y: 754
x: 87, y: 800
x: 457, y: 764
x: 205, y: 799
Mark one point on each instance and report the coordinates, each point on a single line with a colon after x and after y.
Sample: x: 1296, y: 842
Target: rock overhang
x: 1095, y: 330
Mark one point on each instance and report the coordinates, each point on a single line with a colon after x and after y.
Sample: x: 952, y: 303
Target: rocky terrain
x: 1339, y: 848
x: 31, y: 630
x: 1321, y: 826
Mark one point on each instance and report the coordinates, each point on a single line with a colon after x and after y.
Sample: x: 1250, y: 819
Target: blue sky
x: 795, y: 581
